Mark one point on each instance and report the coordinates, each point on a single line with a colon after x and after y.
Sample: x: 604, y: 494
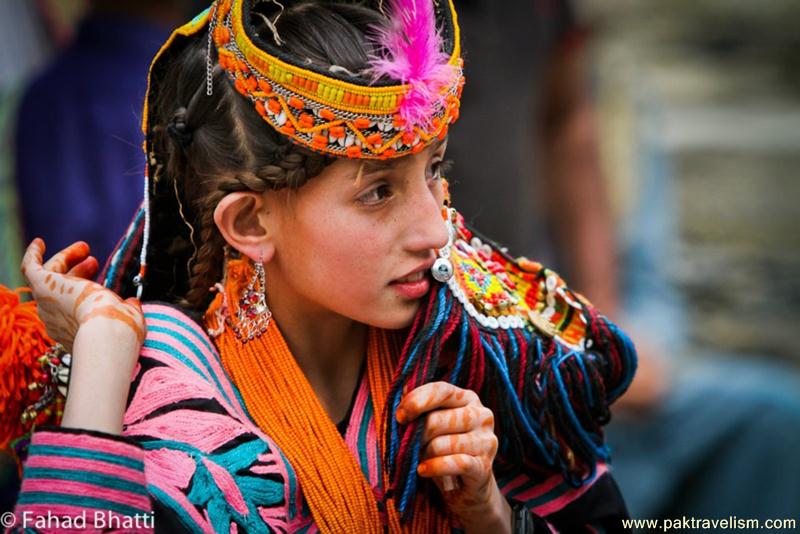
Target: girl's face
x: 359, y: 247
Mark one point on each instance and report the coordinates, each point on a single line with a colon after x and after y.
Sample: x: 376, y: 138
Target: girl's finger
x: 447, y: 484
x: 456, y: 421
x: 85, y: 269
x: 472, y: 443
x: 434, y: 395
x: 32, y: 260
x: 67, y: 258
x: 136, y: 303
x: 466, y: 466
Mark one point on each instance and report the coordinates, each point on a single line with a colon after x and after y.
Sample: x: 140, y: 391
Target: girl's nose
x: 427, y: 228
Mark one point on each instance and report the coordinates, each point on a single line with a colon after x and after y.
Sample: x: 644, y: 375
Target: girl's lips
x: 412, y: 290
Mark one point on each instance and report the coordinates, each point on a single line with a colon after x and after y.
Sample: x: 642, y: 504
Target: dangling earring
x: 254, y: 315
x: 442, y: 269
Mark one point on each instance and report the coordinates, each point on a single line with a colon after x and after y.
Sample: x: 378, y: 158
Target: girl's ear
x: 243, y: 220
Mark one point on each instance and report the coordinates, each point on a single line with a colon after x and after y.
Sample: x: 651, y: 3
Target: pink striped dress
x: 192, y: 460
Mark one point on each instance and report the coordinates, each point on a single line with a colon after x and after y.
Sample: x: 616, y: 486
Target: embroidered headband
x: 346, y: 115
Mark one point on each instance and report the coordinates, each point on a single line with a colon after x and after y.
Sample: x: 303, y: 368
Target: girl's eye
x: 375, y: 195
x: 439, y: 168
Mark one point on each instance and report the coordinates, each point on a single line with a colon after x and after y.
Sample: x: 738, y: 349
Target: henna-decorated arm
x: 103, y: 332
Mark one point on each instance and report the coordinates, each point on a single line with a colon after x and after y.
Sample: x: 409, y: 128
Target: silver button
x: 442, y: 270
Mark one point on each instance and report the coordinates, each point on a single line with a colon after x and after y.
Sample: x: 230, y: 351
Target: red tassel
x: 23, y: 341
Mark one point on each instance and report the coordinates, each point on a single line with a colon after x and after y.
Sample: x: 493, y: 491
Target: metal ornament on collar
x: 442, y: 269
x: 253, y: 316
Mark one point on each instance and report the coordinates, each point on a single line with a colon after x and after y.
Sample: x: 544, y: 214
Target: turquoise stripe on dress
x: 89, y: 454
x: 186, y: 343
x: 163, y: 347
x: 88, y: 477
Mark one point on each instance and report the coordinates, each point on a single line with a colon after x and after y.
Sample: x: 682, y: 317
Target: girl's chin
x: 397, y: 319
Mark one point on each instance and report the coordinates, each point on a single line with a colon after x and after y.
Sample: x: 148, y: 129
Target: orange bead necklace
x: 283, y: 404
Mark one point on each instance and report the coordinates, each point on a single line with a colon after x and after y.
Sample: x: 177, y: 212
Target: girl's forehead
x: 352, y: 171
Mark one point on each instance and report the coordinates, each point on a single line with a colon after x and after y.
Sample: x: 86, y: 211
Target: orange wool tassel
x: 281, y: 401
x: 23, y: 342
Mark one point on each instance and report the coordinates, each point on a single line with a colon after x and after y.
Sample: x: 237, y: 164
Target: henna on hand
x: 68, y: 299
x: 458, y: 444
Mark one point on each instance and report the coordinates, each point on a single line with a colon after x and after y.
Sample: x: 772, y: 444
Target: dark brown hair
x: 209, y: 146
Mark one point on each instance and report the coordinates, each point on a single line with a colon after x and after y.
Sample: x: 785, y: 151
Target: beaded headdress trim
x: 352, y: 118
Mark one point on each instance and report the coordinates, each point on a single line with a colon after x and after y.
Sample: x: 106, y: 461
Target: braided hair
x: 208, y: 146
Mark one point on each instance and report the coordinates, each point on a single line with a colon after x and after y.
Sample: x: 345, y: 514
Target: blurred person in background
x: 689, y: 438
x: 26, y: 45
x: 78, y: 139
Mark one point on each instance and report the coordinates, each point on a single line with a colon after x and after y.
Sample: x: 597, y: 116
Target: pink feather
x: 413, y: 55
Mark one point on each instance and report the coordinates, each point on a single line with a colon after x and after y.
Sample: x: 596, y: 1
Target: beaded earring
x: 253, y: 316
x: 442, y: 269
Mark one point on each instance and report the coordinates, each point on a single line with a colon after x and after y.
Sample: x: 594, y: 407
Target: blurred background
x: 647, y: 149
x: 713, y: 86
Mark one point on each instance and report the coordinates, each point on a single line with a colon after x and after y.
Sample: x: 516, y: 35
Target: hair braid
x: 206, y: 265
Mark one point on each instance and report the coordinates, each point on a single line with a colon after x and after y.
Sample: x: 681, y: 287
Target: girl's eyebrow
x: 373, y: 165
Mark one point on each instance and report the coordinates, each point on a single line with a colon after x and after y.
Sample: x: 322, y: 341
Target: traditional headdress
x: 343, y: 114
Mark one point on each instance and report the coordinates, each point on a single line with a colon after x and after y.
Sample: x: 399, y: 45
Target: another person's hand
x: 652, y: 382
x: 103, y: 332
x: 459, y: 447
x: 68, y: 299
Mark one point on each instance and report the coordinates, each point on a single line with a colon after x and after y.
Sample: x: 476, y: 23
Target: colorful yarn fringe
x: 550, y: 400
x: 116, y: 272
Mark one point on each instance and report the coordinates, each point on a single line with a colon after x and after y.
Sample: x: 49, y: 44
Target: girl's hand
x: 103, y: 333
x: 68, y: 300
x: 459, y: 447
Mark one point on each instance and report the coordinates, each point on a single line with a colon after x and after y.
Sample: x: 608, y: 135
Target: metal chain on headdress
x: 209, y: 62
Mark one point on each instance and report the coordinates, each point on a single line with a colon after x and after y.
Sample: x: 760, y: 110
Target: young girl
x: 324, y: 345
